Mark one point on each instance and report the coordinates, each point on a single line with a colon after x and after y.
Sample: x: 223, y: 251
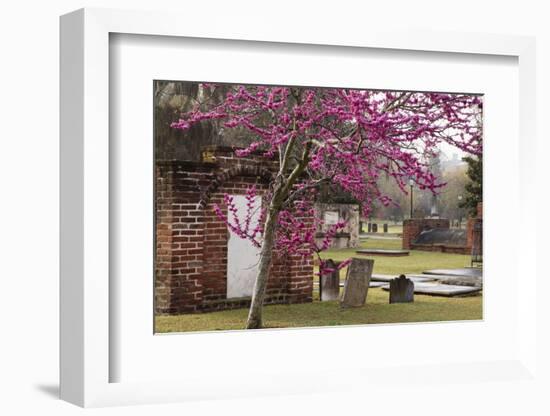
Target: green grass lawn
x: 415, y: 262
x: 376, y: 311
x: 392, y: 228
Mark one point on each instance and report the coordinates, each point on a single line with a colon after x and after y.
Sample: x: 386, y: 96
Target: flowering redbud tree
x: 340, y: 138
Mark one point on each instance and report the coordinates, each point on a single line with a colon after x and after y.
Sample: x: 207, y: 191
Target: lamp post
x: 459, y: 212
x: 411, y: 183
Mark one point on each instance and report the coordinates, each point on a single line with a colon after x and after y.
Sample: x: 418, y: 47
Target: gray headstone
x: 401, y: 290
x: 357, y: 282
x: 374, y: 228
x: 369, y: 227
x: 329, y: 283
x: 385, y: 228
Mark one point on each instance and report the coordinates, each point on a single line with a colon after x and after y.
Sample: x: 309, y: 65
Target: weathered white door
x: 242, y: 256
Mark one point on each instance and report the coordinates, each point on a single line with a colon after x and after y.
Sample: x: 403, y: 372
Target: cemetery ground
x: 376, y: 311
x: 393, y: 228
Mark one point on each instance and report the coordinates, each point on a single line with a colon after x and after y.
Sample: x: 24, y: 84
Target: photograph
x: 300, y: 206
x: 270, y: 208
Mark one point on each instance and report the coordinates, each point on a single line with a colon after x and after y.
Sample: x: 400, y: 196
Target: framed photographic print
x: 253, y: 215
x: 262, y: 199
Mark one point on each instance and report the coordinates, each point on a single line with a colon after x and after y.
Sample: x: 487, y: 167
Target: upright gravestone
x: 329, y: 282
x: 374, y: 228
x: 385, y: 228
x: 357, y: 283
x: 401, y: 290
x: 369, y: 227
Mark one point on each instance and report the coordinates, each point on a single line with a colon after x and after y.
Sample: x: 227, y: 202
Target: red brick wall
x: 191, y: 246
x: 442, y: 248
x: 413, y: 227
x: 470, y: 226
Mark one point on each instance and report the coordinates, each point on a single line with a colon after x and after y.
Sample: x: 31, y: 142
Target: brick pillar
x: 179, y: 230
x: 411, y: 229
x: 300, y: 280
x: 300, y: 274
x: 163, y: 263
x: 214, y: 276
x: 471, y: 224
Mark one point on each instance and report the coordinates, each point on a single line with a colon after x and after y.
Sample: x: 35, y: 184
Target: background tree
x: 340, y: 137
x: 449, y: 197
x: 399, y: 208
x: 474, y: 188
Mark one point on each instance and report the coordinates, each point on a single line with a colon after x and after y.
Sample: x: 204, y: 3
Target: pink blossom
x: 354, y: 137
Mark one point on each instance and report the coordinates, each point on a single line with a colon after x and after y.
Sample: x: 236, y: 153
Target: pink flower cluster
x: 296, y: 227
x: 354, y: 137
x: 243, y: 229
x: 324, y: 266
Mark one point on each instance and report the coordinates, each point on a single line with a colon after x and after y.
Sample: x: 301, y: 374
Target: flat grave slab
x: 414, y: 277
x: 437, y: 289
x: 372, y: 283
x: 382, y: 252
x: 462, y: 281
x: 466, y: 271
x: 451, y: 280
x: 388, y: 236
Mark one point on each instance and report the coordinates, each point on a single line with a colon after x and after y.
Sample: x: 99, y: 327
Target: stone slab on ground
x: 437, y: 289
x: 415, y: 278
x: 377, y: 284
x: 466, y: 271
x: 372, y: 283
x: 382, y: 252
x: 380, y: 236
x: 451, y: 280
x: 462, y: 281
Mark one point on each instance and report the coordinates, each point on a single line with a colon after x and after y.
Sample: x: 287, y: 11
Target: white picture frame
x: 85, y: 217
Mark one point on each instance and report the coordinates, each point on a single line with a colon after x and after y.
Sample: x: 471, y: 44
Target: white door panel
x: 242, y: 256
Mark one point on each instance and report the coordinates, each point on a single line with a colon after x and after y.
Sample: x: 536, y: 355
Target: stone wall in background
x: 331, y: 214
x: 457, y: 242
x: 413, y: 227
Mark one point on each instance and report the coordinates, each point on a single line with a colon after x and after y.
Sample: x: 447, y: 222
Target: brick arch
x: 240, y: 170
x: 190, y: 266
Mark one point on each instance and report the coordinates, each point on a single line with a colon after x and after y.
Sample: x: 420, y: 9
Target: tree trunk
x: 280, y: 192
x: 266, y: 254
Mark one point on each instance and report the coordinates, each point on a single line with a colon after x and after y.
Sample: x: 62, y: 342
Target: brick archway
x: 225, y: 175
x: 191, y: 242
